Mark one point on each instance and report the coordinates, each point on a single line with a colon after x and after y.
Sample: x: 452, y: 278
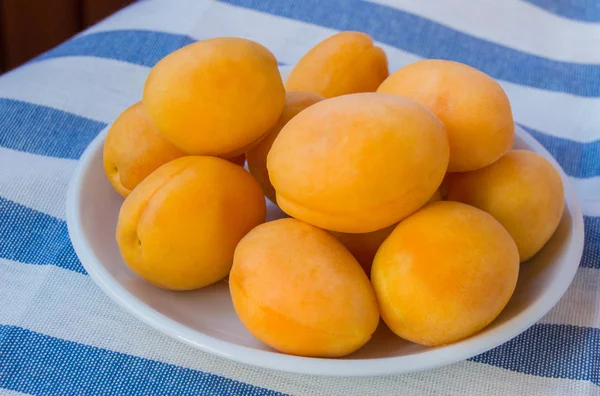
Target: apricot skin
x: 215, y: 97
x: 358, y: 163
x: 298, y: 290
x: 295, y: 102
x: 178, y: 228
x: 133, y: 149
x: 522, y: 190
x: 344, y: 63
x: 444, y: 273
x: 473, y: 106
x: 364, y: 246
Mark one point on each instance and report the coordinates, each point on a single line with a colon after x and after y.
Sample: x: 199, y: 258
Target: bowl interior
x: 207, y: 315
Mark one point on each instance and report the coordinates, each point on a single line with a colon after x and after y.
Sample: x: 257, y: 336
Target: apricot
x: 364, y: 246
x: 215, y: 97
x: 295, y: 102
x: 133, y: 149
x: 473, y: 106
x: 345, y: 63
x: 298, y: 290
x: 444, y: 273
x: 358, y: 163
x: 522, y: 190
x: 179, y: 227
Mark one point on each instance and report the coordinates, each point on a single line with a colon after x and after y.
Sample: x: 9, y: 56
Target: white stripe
x: 35, y: 181
x: 512, y: 23
x: 6, y: 392
x: 91, y: 87
x: 588, y: 192
x: 579, y: 305
x: 95, y: 88
x: 555, y: 113
x: 178, y: 17
x: 67, y: 305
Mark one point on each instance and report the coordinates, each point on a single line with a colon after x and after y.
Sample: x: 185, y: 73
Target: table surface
x: 60, y: 335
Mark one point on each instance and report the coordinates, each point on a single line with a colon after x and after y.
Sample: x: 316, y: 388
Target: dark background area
x: 30, y: 27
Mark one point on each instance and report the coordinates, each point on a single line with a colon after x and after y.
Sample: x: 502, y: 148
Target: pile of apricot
x: 405, y: 198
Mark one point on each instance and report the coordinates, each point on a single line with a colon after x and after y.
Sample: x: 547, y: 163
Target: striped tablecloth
x: 60, y: 335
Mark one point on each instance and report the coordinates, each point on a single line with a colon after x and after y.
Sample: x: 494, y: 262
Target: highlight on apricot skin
x: 444, y: 273
x: 133, y: 149
x: 358, y: 163
x: 345, y: 63
x: 522, y: 190
x: 364, y: 246
x: 473, y: 106
x: 295, y: 102
x: 298, y: 290
x: 215, y: 97
x: 179, y: 227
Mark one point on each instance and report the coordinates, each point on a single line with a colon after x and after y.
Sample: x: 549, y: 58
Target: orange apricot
x: 473, y: 106
x: 298, y: 290
x: 295, y: 102
x: 133, y: 149
x: 364, y: 246
x: 522, y: 190
x: 358, y: 163
x: 179, y: 227
x: 345, y: 63
x: 215, y: 97
x: 445, y: 273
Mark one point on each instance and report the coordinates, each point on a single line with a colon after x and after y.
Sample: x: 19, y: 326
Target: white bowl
x: 205, y: 319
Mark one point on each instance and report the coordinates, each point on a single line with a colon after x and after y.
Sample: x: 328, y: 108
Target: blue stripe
x: 581, y: 10
x: 553, y: 351
x: 591, y: 247
x: 33, y: 237
x: 141, y: 47
x: 47, y: 131
x: 39, y: 364
x: 577, y: 159
x: 433, y: 40
x: 44, y: 130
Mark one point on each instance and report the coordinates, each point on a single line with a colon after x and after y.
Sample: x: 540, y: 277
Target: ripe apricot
x: 298, y: 290
x: 345, y: 63
x: 295, y: 102
x: 522, y: 190
x: 358, y: 163
x: 133, y: 149
x: 215, y: 97
x: 444, y: 273
x: 179, y: 227
x: 364, y: 246
x: 473, y: 106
